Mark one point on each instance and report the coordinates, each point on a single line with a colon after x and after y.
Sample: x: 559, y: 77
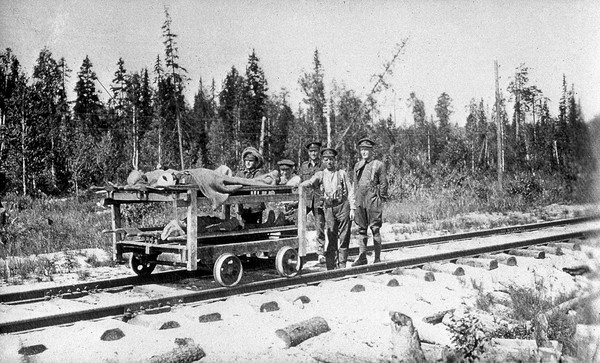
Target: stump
x: 406, y: 346
x: 294, y: 334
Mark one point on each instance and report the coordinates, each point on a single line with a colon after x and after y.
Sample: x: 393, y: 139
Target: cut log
x: 577, y: 270
x: 437, y: 317
x: 485, y: 263
x: 549, y: 250
x: 294, y: 334
x: 406, y: 346
x: 502, y: 258
x: 540, y: 255
x: 444, y: 267
x: 186, y: 352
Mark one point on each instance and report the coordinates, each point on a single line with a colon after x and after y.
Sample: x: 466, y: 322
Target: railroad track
x: 580, y: 227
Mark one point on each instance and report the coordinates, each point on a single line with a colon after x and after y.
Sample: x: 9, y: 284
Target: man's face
x: 365, y: 152
x: 329, y: 162
x: 249, y: 163
x: 313, y: 154
x: 286, y: 172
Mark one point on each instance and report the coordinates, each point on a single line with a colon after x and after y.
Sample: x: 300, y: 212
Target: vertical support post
x: 499, y: 130
x: 301, y: 222
x: 115, y: 212
x: 226, y: 211
x: 192, y: 230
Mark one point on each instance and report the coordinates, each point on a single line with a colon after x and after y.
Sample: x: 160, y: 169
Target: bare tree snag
x: 406, y: 346
x: 294, y: 334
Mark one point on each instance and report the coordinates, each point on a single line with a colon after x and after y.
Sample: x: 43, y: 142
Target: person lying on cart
x: 338, y: 205
x: 251, y: 214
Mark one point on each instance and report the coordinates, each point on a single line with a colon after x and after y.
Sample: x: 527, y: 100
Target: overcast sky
x: 451, y: 45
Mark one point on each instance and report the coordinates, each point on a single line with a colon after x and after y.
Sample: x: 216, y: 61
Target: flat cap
x: 251, y: 151
x: 329, y: 152
x: 286, y: 162
x: 314, y: 145
x: 365, y: 142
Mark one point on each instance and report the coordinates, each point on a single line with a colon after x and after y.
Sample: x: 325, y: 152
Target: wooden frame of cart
x: 288, y: 242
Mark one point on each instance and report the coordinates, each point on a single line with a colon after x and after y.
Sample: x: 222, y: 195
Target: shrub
x: 469, y: 336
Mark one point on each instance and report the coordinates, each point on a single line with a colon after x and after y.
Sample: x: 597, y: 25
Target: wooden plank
x: 166, y: 246
x: 243, y: 232
x: 301, y: 222
x: 192, y: 231
x: 115, y: 212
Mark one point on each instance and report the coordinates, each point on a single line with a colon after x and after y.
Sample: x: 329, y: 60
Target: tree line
x: 52, y: 145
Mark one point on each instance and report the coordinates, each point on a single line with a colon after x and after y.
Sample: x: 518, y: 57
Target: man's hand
x: 351, y: 214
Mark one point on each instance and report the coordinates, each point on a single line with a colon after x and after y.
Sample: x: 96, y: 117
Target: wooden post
x: 301, y: 222
x: 115, y: 211
x: 192, y: 230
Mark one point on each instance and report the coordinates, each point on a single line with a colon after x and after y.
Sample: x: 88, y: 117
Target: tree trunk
x: 23, y: 152
x: 261, y: 144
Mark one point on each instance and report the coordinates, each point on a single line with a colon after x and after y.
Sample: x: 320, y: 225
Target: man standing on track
x: 370, y: 183
x: 312, y: 196
x: 338, y: 205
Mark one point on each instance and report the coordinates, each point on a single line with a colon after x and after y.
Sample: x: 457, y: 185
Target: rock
x: 207, y: 318
x: 269, y: 306
x: 112, y: 334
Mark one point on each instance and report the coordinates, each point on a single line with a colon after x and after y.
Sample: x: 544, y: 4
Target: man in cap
x: 370, y: 190
x: 338, y: 204
x: 251, y: 214
x: 312, y: 197
x: 287, y: 176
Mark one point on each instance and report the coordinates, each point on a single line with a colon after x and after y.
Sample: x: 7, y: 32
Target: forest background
x: 53, y: 146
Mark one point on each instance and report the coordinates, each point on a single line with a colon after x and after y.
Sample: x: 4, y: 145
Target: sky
x: 451, y: 47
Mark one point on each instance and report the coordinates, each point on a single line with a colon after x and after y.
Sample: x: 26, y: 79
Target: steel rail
x: 278, y: 283
x: 35, y: 295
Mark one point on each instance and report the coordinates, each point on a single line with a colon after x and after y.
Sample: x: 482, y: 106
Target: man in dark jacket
x: 370, y: 191
x: 313, y: 197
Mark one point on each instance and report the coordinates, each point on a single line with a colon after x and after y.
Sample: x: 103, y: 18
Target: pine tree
x: 87, y: 106
x: 254, y: 103
x: 314, y: 89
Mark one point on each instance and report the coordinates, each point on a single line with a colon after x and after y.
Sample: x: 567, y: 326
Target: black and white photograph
x: 299, y: 181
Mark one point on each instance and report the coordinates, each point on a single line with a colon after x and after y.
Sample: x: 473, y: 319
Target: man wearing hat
x: 287, y: 176
x: 253, y: 161
x: 338, y: 204
x: 312, y: 197
x: 370, y: 189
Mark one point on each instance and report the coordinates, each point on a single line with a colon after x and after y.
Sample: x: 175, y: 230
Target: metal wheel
x: 142, y: 265
x: 228, y: 270
x: 288, y: 262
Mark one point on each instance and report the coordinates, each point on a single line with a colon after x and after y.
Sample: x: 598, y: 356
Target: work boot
x: 330, y: 260
x: 362, y: 257
x: 343, y: 257
x: 321, y: 260
x: 377, y: 249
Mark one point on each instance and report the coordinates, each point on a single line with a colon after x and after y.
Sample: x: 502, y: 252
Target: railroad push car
x: 220, y: 249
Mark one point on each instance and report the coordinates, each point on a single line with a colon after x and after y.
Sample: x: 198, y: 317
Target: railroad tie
x: 540, y: 255
x: 502, y: 258
x: 444, y: 267
x: 548, y: 250
x: 485, y: 263
x: 415, y: 272
x: 572, y: 245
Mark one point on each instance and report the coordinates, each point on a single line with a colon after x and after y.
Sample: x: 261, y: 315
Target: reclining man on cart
x: 338, y: 205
